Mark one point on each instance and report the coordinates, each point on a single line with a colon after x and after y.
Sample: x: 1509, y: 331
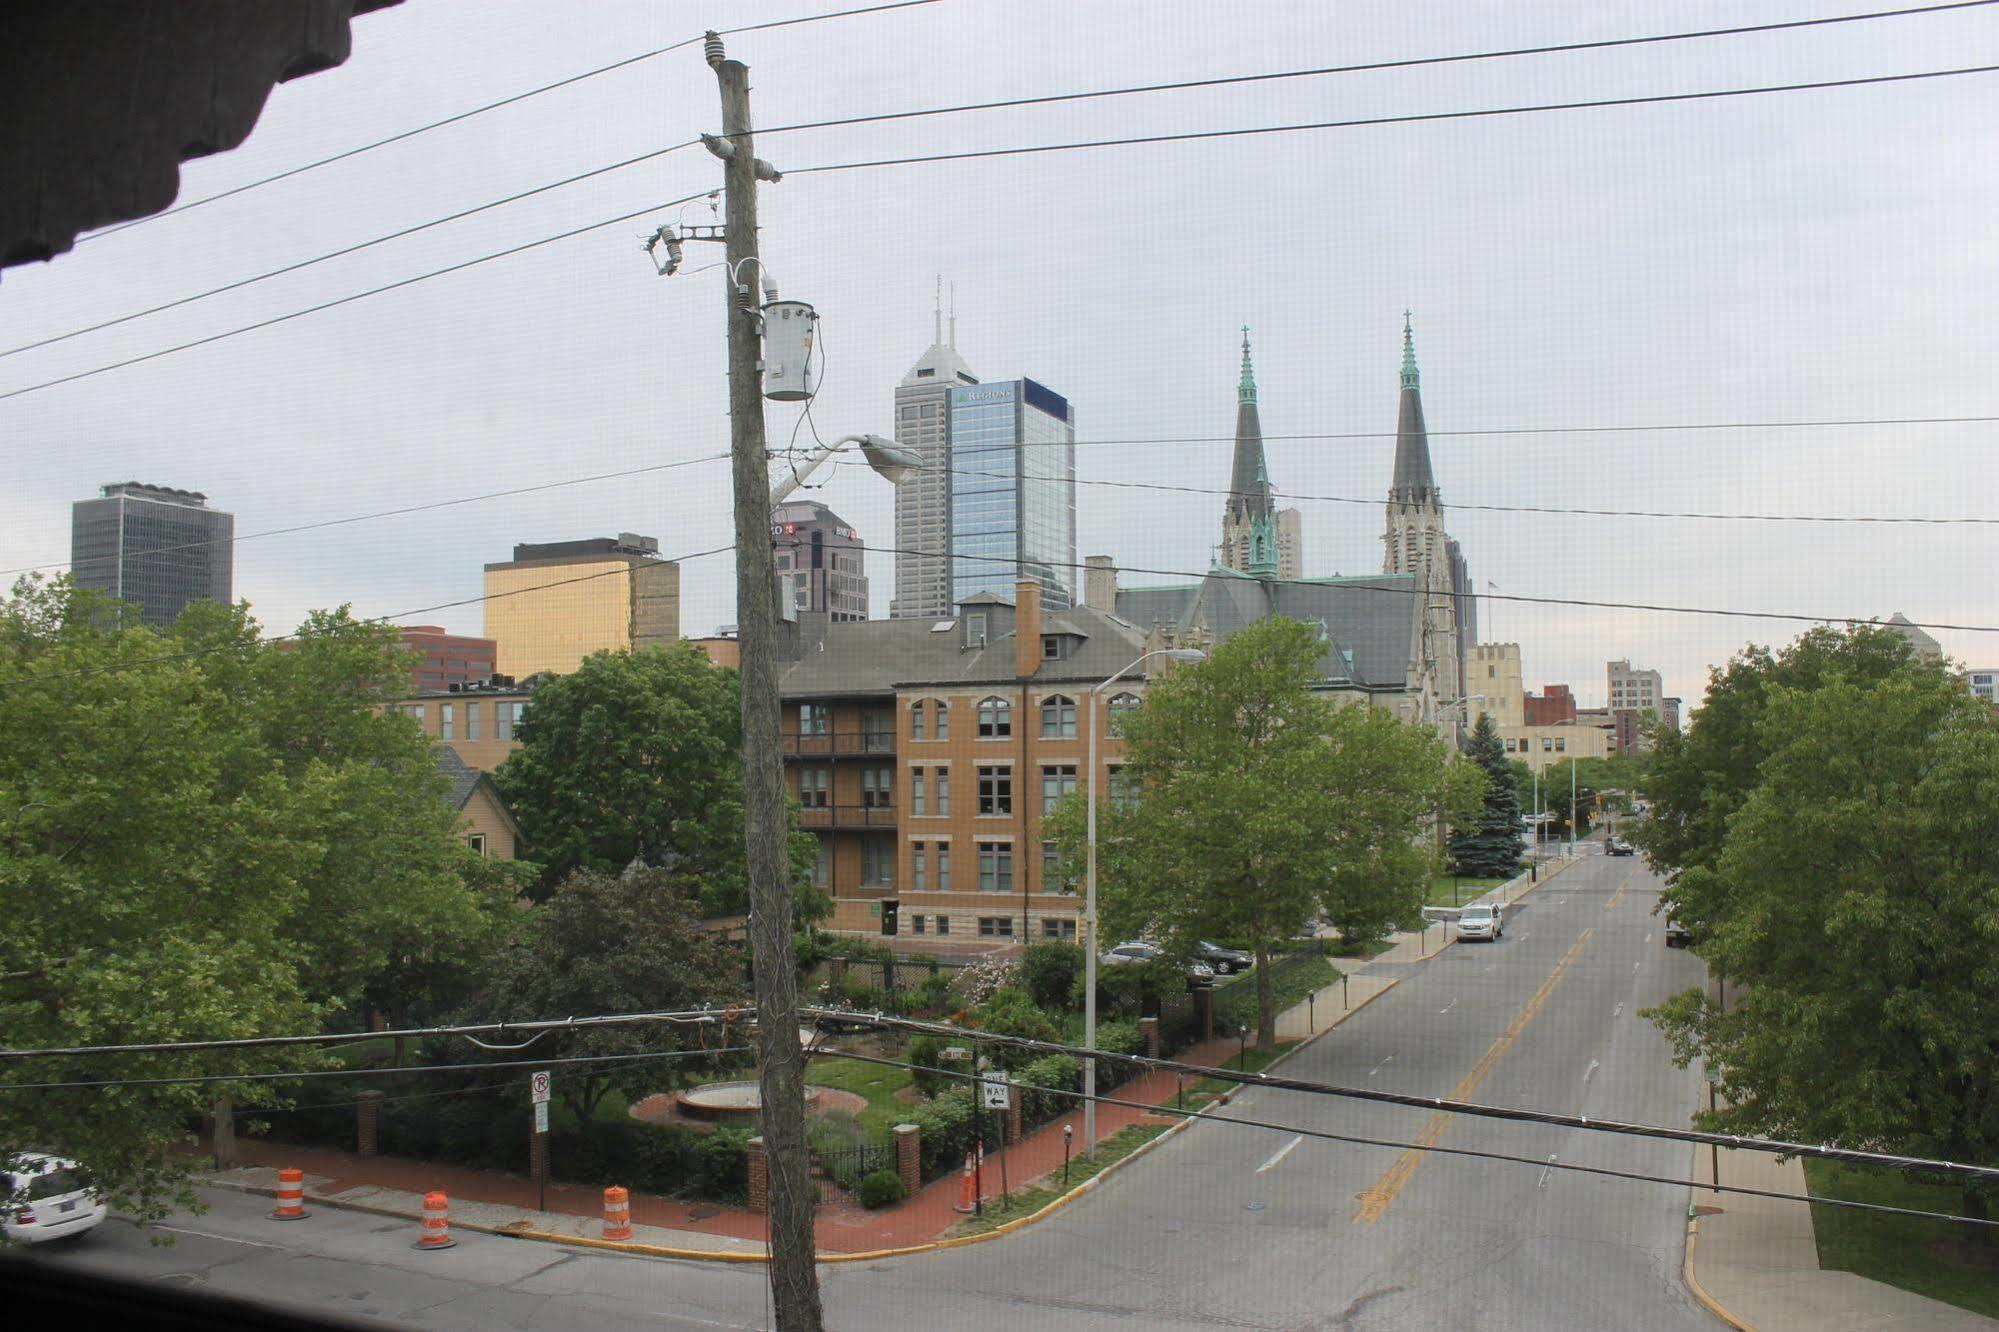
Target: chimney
x: 1026, y: 627
x: 1100, y: 583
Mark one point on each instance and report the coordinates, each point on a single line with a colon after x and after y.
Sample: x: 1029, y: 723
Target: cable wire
x: 462, y: 213
x: 1368, y: 583
x: 1368, y: 67
x: 202, y: 1079
x: 1205, y: 1115
x: 349, y: 299
x: 456, y: 117
x: 1407, y: 119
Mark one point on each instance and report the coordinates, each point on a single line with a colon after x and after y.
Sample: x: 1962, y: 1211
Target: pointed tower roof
x: 1413, y: 481
x: 945, y: 367
x: 1249, y: 479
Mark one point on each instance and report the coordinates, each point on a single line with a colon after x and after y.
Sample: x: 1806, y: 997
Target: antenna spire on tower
x: 954, y: 316
x: 937, y: 312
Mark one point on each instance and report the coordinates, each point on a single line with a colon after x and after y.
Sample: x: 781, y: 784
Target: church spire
x: 1246, y: 389
x: 1413, y: 482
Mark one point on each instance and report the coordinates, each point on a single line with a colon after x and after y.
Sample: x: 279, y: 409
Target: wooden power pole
x: 794, y: 1279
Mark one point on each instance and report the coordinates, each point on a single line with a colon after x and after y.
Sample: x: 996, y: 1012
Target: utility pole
x: 794, y: 1279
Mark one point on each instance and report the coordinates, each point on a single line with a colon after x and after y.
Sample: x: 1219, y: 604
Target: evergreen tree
x: 1489, y: 845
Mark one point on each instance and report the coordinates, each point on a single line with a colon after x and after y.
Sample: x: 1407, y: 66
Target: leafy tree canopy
x: 1256, y: 804
x: 205, y: 835
x: 638, y: 755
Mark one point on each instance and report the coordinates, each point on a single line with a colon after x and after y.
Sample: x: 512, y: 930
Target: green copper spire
x: 1409, y: 378
x: 1246, y: 390
x: 1262, y: 546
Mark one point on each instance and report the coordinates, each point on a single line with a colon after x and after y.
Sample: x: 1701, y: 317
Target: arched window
x: 1124, y: 702
x: 1058, y: 717
x: 995, y: 718
x: 916, y: 720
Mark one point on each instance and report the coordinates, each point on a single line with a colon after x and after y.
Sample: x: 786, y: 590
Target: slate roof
x: 876, y: 657
x: 464, y: 781
x: 1370, y: 624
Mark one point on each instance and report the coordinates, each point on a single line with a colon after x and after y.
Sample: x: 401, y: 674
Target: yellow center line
x: 1618, y: 896
x: 1376, y: 1200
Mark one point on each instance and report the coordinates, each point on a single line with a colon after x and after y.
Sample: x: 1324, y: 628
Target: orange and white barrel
x: 436, y: 1222
x: 291, y: 1195
x: 617, y: 1214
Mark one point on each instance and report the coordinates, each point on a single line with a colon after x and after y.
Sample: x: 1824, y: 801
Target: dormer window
x: 1051, y: 647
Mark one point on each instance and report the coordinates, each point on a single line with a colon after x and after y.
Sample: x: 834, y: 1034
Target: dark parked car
x: 1225, y: 961
x: 1676, y: 933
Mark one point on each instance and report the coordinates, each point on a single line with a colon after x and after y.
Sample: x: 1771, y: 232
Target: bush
x: 1012, y: 1013
x: 946, y: 1131
x: 1041, y: 1084
x: 1048, y: 970
x: 925, y: 1054
x: 1119, y: 1037
x: 883, y: 1188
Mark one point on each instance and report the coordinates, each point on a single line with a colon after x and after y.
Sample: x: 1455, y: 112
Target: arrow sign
x: 996, y: 1090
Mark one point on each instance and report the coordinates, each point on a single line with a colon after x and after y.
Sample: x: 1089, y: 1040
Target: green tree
x: 1853, y: 910
x: 1489, y: 845
x: 204, y: 835
x: 1562, y: 785
x: 612, y: 944
x: 637, y: 756
x: 1255, y: 804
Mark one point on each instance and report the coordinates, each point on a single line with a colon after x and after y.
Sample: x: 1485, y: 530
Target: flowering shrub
x: 980, y: 981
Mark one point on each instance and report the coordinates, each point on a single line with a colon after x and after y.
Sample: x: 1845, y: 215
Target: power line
x: 1469, y: 1152
x: 379, y: 619
x: 456, y: 117
x: 202, y: 1079
x: 1367, y: 584
x: 1409, y: 119
x: 1549, y: 1118
x: 356, y: 296
x: 1373, y: 66
x: 462, y: 213
x: 1484, y: 508
x: 389, y: 513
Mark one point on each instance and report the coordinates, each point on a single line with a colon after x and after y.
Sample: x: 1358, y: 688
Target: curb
x: 1699, y: 1292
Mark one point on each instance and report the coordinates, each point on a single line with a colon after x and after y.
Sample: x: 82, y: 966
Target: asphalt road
x: 1224, y: 1225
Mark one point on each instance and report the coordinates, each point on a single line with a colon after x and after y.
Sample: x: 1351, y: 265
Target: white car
x: 1480, y: 922
x: 1200, y: 973
x: 45, y: 1200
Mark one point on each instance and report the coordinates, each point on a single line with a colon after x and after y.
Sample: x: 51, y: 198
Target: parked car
x: 1137, y: 950
x: 46, y: 1201
x: 1480, y: 922
x: 1225, y: 961
x: 1617, y: 846
x: 1676, y: 933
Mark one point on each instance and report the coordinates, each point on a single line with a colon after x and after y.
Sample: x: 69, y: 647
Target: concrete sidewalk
x: 1755, y: 1264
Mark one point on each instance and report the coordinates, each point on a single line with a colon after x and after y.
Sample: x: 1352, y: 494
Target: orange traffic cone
x: 436, y: 1222
x: 617, y: 1214
x: 291, y: 1195
x: 966, y: 1189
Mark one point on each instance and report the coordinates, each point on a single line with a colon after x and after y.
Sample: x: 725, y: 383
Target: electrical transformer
x: 789, y: 373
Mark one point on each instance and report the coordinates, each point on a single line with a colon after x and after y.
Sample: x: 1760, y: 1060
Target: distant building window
x: 1056, y: 782
x: 943, y: 793
x: 813, y: 785
x: 1124, y: 702
x: 1052, y: 928
x: 995, y: 927
x: 943, y: 875
x: 503, y: 721
x: 813, y: 718
x: 995, y: 718
x: 471, y: 721
x: 477, y: 841
x: 1561, y: 744
x: 877, y: 860
x: 943, y: 925
x: 415, y: 711
x: 1058, y: 717
x: 916, y: 792
x: 916, y: 720
x: 445, y: 725
x: 1052, y: 878
x: 941, y: 729
x: 996, y: 790
x: 877, y: 788
x: 1124, y: 791
x: 916, y: 924
x: 1051, y: 647
x: 995, y: 867
x: 822, y: 865
x: 918, y: 877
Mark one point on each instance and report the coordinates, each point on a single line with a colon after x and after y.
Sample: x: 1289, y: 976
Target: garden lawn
x: 1027, y: 1201
x: 1933, y: 1258
x: 1448, y: 891
x: 878, y: 1082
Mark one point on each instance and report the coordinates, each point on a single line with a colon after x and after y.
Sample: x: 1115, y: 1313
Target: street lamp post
x: 892, y: 461
x: 1090, y: 898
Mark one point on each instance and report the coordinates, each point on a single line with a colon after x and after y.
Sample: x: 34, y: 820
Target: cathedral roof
x: 1413, y: 482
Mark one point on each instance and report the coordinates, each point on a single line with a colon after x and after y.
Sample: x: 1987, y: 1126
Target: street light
x: 892, y: 462
x: 1090, y: 901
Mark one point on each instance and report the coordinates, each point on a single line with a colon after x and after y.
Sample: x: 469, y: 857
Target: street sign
x: 538, y: 1085
x: 541, y: 1116
x: 995, y: 1091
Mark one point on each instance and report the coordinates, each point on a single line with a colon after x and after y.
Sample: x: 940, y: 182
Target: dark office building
x: 818, y: 561
x: 153, y: 546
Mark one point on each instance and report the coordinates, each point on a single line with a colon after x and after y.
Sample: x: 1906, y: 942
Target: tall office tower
x: 1013, y: 491
x: 923, y: 502
x: 818, y: 561
x: 554, y: 604
x: 1290, y: 545
x: 154, y: 546
x: 1416, y: 542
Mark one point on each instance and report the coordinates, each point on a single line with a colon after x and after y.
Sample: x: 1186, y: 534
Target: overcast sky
x: 1803, y: 256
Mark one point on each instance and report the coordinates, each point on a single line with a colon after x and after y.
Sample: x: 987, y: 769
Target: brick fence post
x: 1204, y: 1011
x: 759, y: 1177
x: 1014, y: 1101
x: 909, y: 1157
x: 367, y: 1122
x: 1148, y: 1030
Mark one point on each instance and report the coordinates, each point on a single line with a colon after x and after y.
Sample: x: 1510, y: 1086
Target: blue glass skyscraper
x: 1013, y: 490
